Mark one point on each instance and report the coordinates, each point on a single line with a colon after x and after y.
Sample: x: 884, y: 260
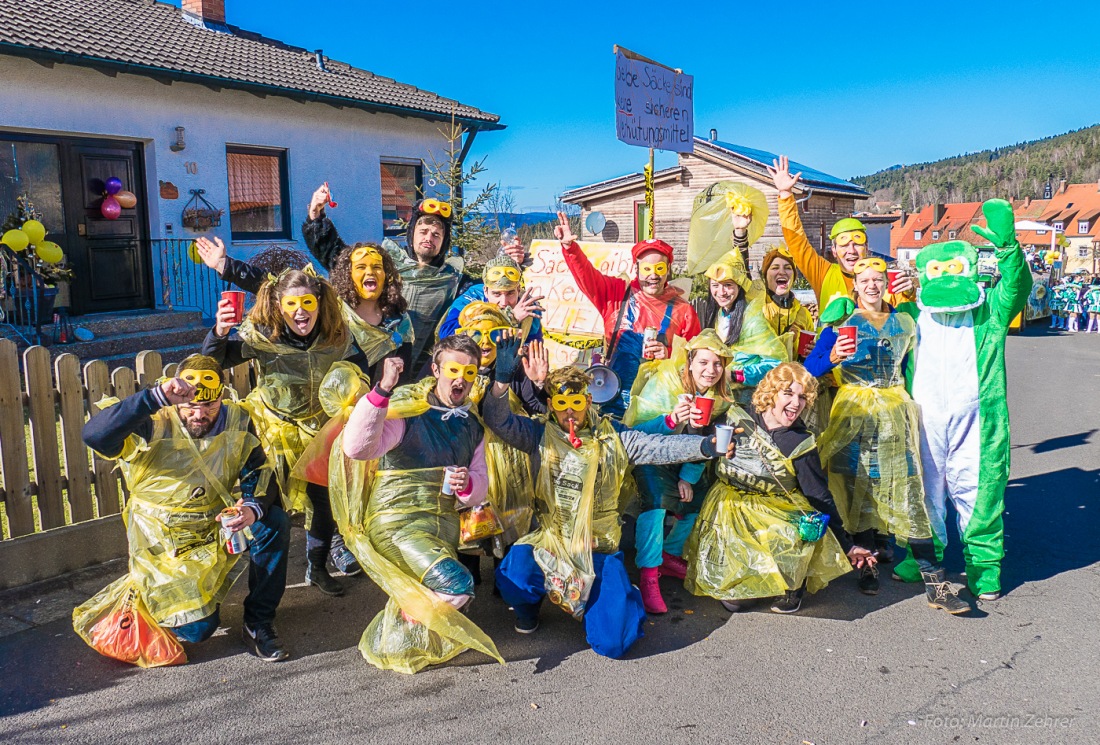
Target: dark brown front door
x: 110, y: 258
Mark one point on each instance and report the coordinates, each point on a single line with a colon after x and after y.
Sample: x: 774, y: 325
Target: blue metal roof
x: 764, y: 158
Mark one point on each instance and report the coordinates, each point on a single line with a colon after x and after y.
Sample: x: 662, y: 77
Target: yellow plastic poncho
x: 178, y: 485
x: 285, y: 403
x: 746, y: 541
x: 376, y: 342
x: 579, y: 508
x: 710, y: 232
x: 871, y: 447
x: 399, y: 524
x: 659, y: 382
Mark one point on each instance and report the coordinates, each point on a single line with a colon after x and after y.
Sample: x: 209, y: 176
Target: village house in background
x: 176, y: 101
x: 1072, y: 211
x: 824, y: 199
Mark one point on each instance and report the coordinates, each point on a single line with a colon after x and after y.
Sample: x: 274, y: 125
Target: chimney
x: 212, y: 11
x: 901, y: 219
x: 319, y: 58
x: 713, y: 134
x: 1062, y: 186
x: 937, y: 213
x: 1027, y: 201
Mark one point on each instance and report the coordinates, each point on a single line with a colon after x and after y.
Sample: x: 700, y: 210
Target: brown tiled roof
x: 156, y: 39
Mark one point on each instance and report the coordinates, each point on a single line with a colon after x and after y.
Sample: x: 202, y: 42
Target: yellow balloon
x: 193, y: 252
x: 36, y: 231
x: 49, y: 252
x: 16, y: 240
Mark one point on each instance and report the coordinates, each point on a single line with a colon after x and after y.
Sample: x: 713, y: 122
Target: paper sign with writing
x: 654, y: 105
x: 570, y: 318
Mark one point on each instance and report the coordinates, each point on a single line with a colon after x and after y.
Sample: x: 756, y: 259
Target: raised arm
x: 1010, y: 295
x: 319, y: 233
x: 106, y: 432
x: 809, y: 262
x: 600, y: 289
x: 368, y: 434
x: 520, y: 432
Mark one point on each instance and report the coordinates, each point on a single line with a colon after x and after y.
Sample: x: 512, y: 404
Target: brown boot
x: 941, y: 594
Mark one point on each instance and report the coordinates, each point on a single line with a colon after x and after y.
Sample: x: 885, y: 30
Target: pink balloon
x: 110, y: 208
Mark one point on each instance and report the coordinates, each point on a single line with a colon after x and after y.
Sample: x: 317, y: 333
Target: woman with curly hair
x: 295, y: 333
x: 365, y: 277
x: 769, y: 526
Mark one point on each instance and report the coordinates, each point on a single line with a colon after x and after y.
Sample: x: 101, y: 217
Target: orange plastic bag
x: 126, y: 631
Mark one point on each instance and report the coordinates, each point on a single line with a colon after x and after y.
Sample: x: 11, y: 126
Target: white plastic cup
x: 447, y: 488
x: 723, y: 436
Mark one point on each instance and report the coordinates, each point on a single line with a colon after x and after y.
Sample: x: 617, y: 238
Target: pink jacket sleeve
x: 368, y: 434
x: 478, y: 489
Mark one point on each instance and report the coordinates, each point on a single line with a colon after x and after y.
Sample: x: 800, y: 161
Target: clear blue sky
x: 848, y: 88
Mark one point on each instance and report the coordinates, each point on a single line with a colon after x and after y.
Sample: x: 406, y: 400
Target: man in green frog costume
x: 959, y: 383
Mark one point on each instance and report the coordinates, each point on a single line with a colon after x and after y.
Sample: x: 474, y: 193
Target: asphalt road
x: 848, y: 669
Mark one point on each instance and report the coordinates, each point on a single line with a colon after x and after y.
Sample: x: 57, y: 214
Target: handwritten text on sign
x: 653, y: 105
x: 568, y: 312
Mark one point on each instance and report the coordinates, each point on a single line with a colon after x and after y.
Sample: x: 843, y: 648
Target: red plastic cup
x: 236, y: 298
x: 704, y: 404
x: 805, y: 339
x: 848, y: 332
x: 892, y: 276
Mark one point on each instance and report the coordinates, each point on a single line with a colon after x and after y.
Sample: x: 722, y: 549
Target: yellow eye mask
x: 659, y: 269
x: 291, y: 303
x: 208, y: 385
x: 857, y: 237
x: 936, y: 269
x: 575, y: 401
x: 436, y: 207
x: 454, y: 371
x: 496, y: 273
x: 364, y: 251
x: 869, y: 263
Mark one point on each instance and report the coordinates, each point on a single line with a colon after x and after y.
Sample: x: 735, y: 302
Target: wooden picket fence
x: 43, y: 408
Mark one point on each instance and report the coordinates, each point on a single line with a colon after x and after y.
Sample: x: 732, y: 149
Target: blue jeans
x: 614, y: 616
x: 266, y: 577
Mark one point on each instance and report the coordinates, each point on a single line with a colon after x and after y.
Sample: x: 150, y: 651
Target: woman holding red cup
x: 871, y: 446
x: 687, y: 394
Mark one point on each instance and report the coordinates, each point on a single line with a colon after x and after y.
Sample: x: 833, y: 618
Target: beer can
x: 235, y: 541
x: 650, y: 334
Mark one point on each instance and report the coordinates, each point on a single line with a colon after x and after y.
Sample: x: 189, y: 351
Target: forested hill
x: 1012, y: 172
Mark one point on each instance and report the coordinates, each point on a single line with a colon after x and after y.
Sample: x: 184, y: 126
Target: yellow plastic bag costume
x: 579, y: 510
x: 376, y: 342
x: 710, y: 233
x: 285, y: 403
x: 871, y: 447
x: 178, y: 485
x: 399, y: 524
x: 660, y: 382
x: 747, y: 542
x: 340, y: 390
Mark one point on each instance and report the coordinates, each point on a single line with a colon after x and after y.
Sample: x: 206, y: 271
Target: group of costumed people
x: 1074, y: 303
x: 760, y: 448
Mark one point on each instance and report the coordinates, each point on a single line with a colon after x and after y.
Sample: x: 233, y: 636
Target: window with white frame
x: 916, y: 235
x: 935, y: 235
x: 952, y: 234
x: 1082, y: 252
x: 1059, y: 225
x: 1082, y: 226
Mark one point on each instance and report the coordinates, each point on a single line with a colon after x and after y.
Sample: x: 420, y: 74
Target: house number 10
x: 191, y: 167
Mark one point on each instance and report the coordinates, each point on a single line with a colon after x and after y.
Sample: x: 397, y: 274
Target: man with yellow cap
x: 849, y: 237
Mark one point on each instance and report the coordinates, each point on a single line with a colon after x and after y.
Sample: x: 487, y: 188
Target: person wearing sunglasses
x: 871, y: 447
x: 295, y: 333
x: 578, y: 460
x: 849, y: 245
x: 501, y: 285
x: 183, y: 451
x: 629, y: 308
x: 427, y: 454
x: 486, y: 324
x: 431, y: 276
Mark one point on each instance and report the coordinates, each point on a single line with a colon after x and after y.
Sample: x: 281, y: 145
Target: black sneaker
x: 941, y: 594
x: 344, y: 560
x: 868, y: 580
x: 527, y: 625
x: 790, y: 602
x: 263, y: 642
